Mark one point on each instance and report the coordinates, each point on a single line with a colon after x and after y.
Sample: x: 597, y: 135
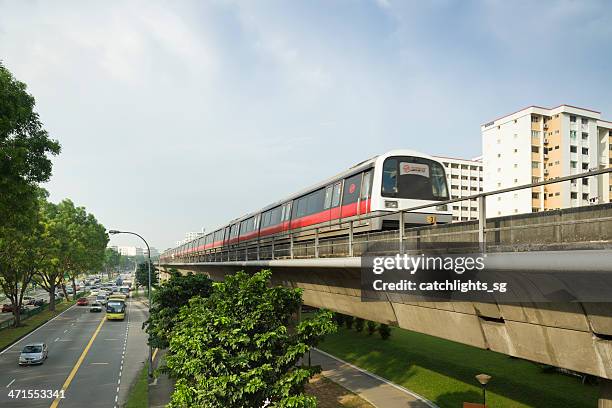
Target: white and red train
x: 382, y: 185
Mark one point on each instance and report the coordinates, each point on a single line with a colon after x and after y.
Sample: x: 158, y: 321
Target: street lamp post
x: 114, y: 232
x: 484, y: 379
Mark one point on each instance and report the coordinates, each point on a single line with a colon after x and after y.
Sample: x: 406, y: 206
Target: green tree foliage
x: 75, y: 245
x: 236, y: 348
x: 142, y: 275
x: 372, y: 327
x: 24, y: 150
x: 385, y: 331
x: 167, y: 301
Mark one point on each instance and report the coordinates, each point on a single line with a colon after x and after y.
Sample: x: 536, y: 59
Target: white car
x: 35, y: 353
x: 101, y: 299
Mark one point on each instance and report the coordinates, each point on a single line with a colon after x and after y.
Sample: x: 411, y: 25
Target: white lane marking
x: 99, y: 363
x: 9, y: 384
x: 56, y: 340
x: 34, y: 331
x: 65, y: 330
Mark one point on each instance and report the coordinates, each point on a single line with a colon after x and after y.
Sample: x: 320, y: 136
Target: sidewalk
x: 372, y: 388
x: 162, y: 387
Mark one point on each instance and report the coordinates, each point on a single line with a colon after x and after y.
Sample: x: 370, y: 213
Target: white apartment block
x: 465, y: 178
x: 536, y: 144
x: 130, y: 251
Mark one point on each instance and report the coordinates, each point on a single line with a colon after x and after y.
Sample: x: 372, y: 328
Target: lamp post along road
x: 114, y: 232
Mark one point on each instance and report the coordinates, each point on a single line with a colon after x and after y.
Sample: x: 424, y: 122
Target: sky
x: 175, y: 116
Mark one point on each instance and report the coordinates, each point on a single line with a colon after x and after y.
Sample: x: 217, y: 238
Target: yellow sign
x: 431, y: 219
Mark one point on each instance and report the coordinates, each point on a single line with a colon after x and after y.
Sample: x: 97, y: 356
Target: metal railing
x: 309, y: 244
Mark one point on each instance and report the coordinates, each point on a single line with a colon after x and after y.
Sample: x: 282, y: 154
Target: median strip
x: 78, y: 363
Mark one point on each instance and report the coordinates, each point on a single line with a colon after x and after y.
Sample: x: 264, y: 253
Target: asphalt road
x: 94, y: 360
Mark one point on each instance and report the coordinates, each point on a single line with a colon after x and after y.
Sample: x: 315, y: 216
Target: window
x: 585, y: 136
x: 515, y: 150
x: 535, y: 149
x: 585, y: 150
x: 366, y: 185
x: 557, y: 194
x: 352, y: 188
x: 464, y: 177
x: 316, y: 201
x: 557, y: 147
x: 573, y: 164
x: 535, y: 118
x: 585, y: 182
x: 328, y: 197
x: 515, y: 165
x: 535, y: 179
x: 585, y: 166
x: 585, y: 121
x: 573, y: 195
x: 272, y: 217
x: 535, y: 134
x: 572, y: 134
x: 535, y: 165
x: 572, y: 119
x: 389, y: 177
x: 535, y: 195
x: 413, y: 177
x: 336, y: 194
x: 573, y: 149
x: 585, y: 196
x: 246, y: 226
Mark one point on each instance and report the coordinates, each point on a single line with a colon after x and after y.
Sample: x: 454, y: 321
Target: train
x: 364, y: 198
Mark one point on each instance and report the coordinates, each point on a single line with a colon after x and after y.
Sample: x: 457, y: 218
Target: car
x: 39, y: 302
x: 82, y: 302
x: 69, y: 290
x: 28, y: 300
x: 94, y: 292
x: 35, y: 353
x: 101, y: 299
x: 95, y: 307
x: 7, y: 307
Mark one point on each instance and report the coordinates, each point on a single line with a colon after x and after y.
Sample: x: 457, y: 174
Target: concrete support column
x: 605, y: 393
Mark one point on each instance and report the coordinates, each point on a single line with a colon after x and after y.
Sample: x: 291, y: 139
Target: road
x: 94, y: 360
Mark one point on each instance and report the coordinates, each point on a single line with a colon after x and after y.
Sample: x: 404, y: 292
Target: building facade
x: 536, y: 144
x: 465, y: 178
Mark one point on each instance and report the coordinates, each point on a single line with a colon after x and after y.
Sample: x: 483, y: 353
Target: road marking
x: 78, y: 363
x: 99, y: 363
x: 65, y: 330
x: 154, y: 354
x: 56, y: 340
x: 34, y: 331
x: 9, y: 384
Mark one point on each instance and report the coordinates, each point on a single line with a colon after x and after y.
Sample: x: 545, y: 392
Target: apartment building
x: 536, y: 144
x: 465, y: 178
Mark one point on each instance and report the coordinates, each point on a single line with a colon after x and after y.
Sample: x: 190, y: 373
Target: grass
x: 10, y: 335
x: 331, y: 395
x: 139, y: 392
x: 443, y: 371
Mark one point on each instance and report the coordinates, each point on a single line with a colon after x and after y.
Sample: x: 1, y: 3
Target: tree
x: 359, y: 323
x: 76, y: 243
x: 372, y: 327
x: 20, y: 258
x: 385, y: 331
x: 142, y: 275
x: 167, y: 301
x: 236, y: 348
x: 25, y: 148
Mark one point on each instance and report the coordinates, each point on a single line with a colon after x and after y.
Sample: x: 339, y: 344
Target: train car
x: 380, y: 186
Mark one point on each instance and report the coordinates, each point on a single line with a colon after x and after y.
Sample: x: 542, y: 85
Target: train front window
x: 415, y: 178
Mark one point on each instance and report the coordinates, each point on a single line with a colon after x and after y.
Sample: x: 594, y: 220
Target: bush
x: 371, y: 327
x: 339, y: 319
x: 348, y: 320
x: 385, y: 331
x: 359, y: 323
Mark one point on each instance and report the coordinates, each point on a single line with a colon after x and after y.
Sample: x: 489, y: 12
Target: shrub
x: 359, y: 323
x: 385, y: 331
x: 348, y: 320
x: 371, y: 327
x: 339, y: 319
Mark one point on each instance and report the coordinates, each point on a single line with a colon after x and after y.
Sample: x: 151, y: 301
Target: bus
x: 115, y: 309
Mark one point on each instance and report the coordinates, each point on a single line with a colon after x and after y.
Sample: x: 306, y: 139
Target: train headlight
x: 442, y: 207
x: 391, y: 204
